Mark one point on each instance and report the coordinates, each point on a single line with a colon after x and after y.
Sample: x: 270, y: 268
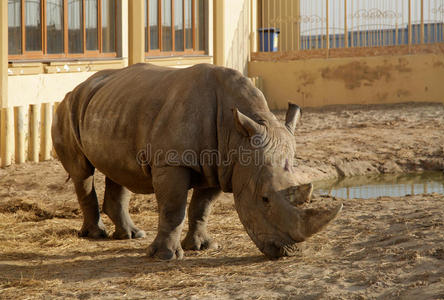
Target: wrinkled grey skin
x: 107, y: 121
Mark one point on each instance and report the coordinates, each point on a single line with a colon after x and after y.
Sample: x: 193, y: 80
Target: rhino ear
x: 292, y: 117
x: 246, y: 126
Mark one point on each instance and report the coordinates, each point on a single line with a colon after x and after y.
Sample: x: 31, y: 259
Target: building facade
x: 50, y: 46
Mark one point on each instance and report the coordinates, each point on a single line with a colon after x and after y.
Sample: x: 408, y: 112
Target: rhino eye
x: 265, y: 200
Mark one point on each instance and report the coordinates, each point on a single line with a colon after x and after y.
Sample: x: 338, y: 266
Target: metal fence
x: 326, y: 24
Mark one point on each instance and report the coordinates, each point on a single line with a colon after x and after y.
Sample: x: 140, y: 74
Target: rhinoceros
x: 152, y: 129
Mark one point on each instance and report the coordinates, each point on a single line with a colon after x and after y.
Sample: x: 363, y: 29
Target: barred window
x: 176, y: 27
x: 45, y: 29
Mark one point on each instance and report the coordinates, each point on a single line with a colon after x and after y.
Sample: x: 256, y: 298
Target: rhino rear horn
x: 292, y: 117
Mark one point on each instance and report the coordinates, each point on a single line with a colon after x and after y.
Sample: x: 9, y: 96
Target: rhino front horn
x: 316, y: 219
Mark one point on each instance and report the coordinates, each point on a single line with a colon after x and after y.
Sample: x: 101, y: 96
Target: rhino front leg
x: 171, y: 185
x: 199, y: 211
x: 115, y: 205
x: 86, y: 194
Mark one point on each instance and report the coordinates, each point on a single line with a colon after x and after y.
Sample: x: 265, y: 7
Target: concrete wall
x: 237, y: 34
x: 42, y: 87
x: 357, y: 80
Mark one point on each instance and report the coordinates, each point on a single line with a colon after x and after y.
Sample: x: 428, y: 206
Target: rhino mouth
x: 274, y: 249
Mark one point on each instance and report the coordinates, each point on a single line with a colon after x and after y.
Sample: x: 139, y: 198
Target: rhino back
x: 152, y: 109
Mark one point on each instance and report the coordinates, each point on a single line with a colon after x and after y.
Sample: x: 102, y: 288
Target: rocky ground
x: 377, y: 248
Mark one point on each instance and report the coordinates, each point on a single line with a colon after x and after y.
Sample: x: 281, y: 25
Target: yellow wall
x: 237, y: 34
x: 232, y: 29
x: 358, y: 80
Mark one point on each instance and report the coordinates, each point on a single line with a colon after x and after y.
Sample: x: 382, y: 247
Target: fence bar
x: 327, y: 34
x: 410, y: 23
x: 345, y: 25
x: 7, y: 136
x: 45, y: 137
x: 19, y: 122
x: 421, y: 32
x: 33, y: 143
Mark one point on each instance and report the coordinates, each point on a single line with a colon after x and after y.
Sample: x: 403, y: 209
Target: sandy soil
x: 377, y: 248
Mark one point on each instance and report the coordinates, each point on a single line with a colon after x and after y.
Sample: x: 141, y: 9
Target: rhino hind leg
x: 199, y: 211
x: 115, y: 205
x: 86, y: 194
x: 171, y: 185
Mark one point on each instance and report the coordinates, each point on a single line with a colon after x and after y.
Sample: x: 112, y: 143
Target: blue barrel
x: 268, y: 39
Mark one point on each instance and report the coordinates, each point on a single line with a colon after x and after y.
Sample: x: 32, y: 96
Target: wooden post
x: 45, y: 136
x: 3, y: 53
x: 136, y: 34
x: 7, y: 136
x: 422, y: 23
x: 19, y: 122
x: 54, y: 110
x: 34, y: 119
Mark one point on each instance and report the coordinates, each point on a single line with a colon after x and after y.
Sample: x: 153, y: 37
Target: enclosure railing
x: 26, y: 133
x: 327, y: 24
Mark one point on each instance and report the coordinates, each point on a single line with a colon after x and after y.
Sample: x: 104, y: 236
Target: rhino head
x: 267, y: 196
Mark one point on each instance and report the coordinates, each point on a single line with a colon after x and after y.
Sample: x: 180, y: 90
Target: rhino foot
x: 162, y: 252
x: 131, y: 233
x: 198, y: 241
x: 94, y: 232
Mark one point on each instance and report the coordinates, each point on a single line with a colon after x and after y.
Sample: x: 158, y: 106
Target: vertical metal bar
x: 327, y: 34
x: 183, y: 25
x: 23, y: 27
x: 292, y: 24
x: 345, y: 25
x: 99, y: 26
x: 421, y: 33
x: 274, y: 25
x: 159, y: 23
x: 268, y: 26
x: 43, y: 25
x: 281, y: 25
x: 173, y: 32
x: 148, y: 31
x: 263, y: 26
x: 65, y: 27
x: 84, y: 26
x: 410, y: 23
x: 193, y: 25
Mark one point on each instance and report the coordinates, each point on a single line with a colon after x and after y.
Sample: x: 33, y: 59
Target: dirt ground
x: 377, y: 248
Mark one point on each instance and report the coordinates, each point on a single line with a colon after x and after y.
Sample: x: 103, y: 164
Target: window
x: 175, y: 27
x: 46, y: 29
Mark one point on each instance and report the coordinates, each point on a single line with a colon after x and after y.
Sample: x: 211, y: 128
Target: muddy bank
x: 352, y: 140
